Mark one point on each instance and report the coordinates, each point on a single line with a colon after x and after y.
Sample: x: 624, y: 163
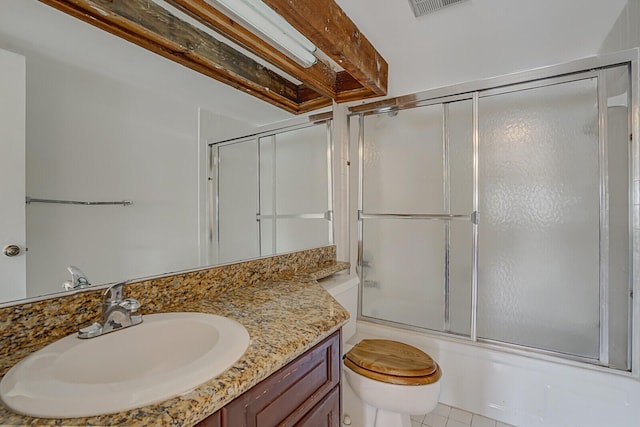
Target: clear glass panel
x: 403, y: 275
x: 539, y: 231
x: 237, y: 192
x: 403, y: 166
x: 619, y: 254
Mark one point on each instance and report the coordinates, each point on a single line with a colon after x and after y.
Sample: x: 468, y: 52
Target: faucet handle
x: 113, y: 294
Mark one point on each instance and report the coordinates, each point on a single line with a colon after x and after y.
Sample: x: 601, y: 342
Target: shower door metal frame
x: 584, y: 68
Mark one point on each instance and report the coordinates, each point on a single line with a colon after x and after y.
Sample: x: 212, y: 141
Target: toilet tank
x: 344, y: 288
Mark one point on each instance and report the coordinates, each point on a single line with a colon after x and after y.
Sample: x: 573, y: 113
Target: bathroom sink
x: 166, y: 355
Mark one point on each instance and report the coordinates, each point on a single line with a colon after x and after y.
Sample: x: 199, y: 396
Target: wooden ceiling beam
x: 349, y: 89
x: 319, y: 77
x: 157, y: 29
x: 150, y: 26
x: 332, y: 31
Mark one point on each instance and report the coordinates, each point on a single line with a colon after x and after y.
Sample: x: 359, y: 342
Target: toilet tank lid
x: 338, y: 284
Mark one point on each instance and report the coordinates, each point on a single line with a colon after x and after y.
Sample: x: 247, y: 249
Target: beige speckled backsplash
x: 28, y: 327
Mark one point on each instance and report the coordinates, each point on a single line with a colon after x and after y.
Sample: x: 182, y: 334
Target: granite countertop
x: 284, y: 318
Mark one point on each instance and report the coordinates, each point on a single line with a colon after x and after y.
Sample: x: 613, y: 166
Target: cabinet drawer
x: 288, y: 395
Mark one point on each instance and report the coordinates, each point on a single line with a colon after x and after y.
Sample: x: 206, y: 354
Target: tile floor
x: 446, y: 416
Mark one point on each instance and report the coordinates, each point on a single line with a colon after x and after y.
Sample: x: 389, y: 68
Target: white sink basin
x: 166, y: 355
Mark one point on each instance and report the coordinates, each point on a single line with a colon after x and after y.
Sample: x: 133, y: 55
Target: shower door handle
x: 475, y: 217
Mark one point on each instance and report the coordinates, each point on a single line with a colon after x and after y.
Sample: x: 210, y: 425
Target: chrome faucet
x: 78, y: 279
x: 117, y: 313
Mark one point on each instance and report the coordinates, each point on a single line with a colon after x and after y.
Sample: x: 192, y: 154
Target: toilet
x: 391, y: 380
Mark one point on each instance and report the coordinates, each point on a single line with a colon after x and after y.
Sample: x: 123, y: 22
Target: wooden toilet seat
x: 392, y: 362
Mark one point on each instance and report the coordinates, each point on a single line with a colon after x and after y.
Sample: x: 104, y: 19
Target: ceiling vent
x: 422, y: 7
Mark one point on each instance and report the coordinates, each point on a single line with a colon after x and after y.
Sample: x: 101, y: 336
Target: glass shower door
x: 505, y: 214
x: 415, y: 216
x: 544, y: 229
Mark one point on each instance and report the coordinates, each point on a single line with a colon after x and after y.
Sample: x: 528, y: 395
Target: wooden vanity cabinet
x: 306, y: 392
x: 214, y: 420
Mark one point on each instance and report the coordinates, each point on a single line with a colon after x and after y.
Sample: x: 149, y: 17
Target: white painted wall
x: 480, y: 38
x: 625, y: 33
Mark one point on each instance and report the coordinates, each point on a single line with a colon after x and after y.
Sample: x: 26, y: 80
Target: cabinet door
x: 324, y: 414
x: 214, y: 420
x: 287, y: 396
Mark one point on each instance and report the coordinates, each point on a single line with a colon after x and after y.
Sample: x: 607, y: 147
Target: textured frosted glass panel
x: 460, y: 139
x: 297, y: 234
x: 403, y: 162
x: 539, y: 227
x: 238, y: 229
x: 460, y: 271
x: 460, y: 133
x: 403, y: 277
x: 301, y: 171
x: 619, y: 269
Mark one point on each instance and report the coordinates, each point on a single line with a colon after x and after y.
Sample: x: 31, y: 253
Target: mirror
x: 107, y: 121
x: 272, y: 192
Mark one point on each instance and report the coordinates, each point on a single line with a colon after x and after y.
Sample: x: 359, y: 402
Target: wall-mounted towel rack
x: 76, y: 202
